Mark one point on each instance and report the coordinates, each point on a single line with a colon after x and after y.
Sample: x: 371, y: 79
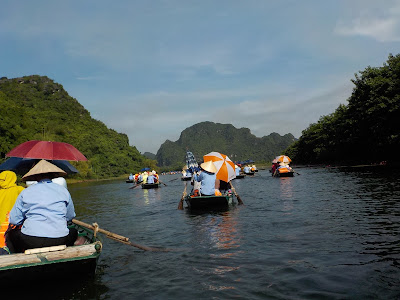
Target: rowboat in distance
x: 150, y: 185
x: 186, y: 178
x: 49, y: 264
x: 249, y: 173
x: 241, y: 176
x: 208, y: 202
x: 283, y: 172
x: 129, y: 181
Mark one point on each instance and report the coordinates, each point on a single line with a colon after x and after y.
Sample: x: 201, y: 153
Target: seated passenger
x: 237, y: 170
x: 151, y: 178
x: 9, y: 192
x: 41, y: 212
x: 207, y: 178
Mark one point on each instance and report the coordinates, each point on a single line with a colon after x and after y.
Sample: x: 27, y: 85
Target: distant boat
x: 283, y: 172
x: 241, y: 176
x: 150, y: 185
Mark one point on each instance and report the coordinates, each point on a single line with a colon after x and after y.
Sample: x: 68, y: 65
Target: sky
x: 152, y: 68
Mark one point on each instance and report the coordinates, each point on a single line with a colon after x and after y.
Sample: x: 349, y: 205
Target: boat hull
x: 208, y: 202
x: 49, y: 265
x: 241, y: 176
x: 150, y: 186
x: 286, y: 174
x: 186, y: 178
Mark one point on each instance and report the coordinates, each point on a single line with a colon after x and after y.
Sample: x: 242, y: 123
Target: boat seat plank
x: 71, y: 252
x: 17, y: 259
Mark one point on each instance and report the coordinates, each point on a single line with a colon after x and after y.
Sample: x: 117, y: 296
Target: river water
x: 323, y: 234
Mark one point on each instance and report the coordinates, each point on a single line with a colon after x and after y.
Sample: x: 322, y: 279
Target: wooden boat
x: 186, y: 178
x: 129, y: 181
x: 53, y: 263
x: 241, y: 176
x: 150, y: 185
x: 283, y: 172
x: 250, y: 173
x: 208, y: 202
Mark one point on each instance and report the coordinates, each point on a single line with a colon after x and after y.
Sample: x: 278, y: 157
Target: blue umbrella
x: 22, y: 165
x: 145, y: 169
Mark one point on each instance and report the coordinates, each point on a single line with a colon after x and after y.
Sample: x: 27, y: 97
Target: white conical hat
x: 43, y: 167
x: 209, y: 166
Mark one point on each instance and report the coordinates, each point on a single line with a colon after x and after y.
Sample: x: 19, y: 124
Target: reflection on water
x: 151, y: 195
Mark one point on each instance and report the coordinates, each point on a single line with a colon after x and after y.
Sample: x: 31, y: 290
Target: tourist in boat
x: 222, y: 186
x: 207, y: 178
x: 9, y: 191
x: 144, y: 176
x: 150, y: 179
x: 130, y: 177
x: 246, y: 169
x: 157, y: 177
x: 41, y: 212
x: 274, y: 166
x: 237, y: 170
x: 285, y: 165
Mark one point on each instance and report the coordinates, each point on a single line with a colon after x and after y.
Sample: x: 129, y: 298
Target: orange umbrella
x: 225, y: 167
x: 283, y: 158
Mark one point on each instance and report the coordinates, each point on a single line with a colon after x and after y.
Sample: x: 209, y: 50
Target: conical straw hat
x: 209, y: 167
x: 43, y: 167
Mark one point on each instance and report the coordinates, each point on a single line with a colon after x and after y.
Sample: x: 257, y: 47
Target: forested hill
x: 366, y: 130
x: 37, y: 108
x: 238, y: 144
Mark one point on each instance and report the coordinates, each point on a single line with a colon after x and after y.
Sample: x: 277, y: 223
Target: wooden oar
x: 237, y: 196
x: 117, y: 237
x: 180, y: 205
x: 132, y: 187
x: 174, y: 179
x: 162, y: 182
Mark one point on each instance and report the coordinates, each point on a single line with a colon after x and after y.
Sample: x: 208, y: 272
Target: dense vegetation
x: 238, y: 144
x: 36, y: 108
x: 366, y: 130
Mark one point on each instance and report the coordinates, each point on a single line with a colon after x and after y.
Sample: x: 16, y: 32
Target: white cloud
x: 381, y: 24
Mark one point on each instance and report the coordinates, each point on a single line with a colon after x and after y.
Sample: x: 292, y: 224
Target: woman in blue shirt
x: 42, y: 211
x: 207, y: 178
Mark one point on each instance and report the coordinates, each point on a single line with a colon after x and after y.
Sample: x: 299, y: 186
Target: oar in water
x: 180, y: 205
x: 162, y: 182
x: 237, y: 196
x: 132, y: 187
x: 173, y: 179
x: 117, y: 237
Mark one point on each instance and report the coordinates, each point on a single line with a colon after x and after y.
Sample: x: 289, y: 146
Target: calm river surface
x: 324, y: 234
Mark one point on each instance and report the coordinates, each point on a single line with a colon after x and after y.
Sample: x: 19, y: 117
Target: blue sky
x: 152, y: 68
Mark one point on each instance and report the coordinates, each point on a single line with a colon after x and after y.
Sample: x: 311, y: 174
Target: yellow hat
x: 43, y: 167
x: 208, y: 166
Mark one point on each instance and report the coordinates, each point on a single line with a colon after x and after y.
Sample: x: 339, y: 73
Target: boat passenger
x: 222, y: 186
x: 157, y: 178
x: 144, y: 176
x: 150, y: 178
x: 130, y: 176
x: 207, y: 177
x: 237, y: 170
x: 284, y: 165
x: 9, y: 192
x: 246, y: 169
x: 41, y: 212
